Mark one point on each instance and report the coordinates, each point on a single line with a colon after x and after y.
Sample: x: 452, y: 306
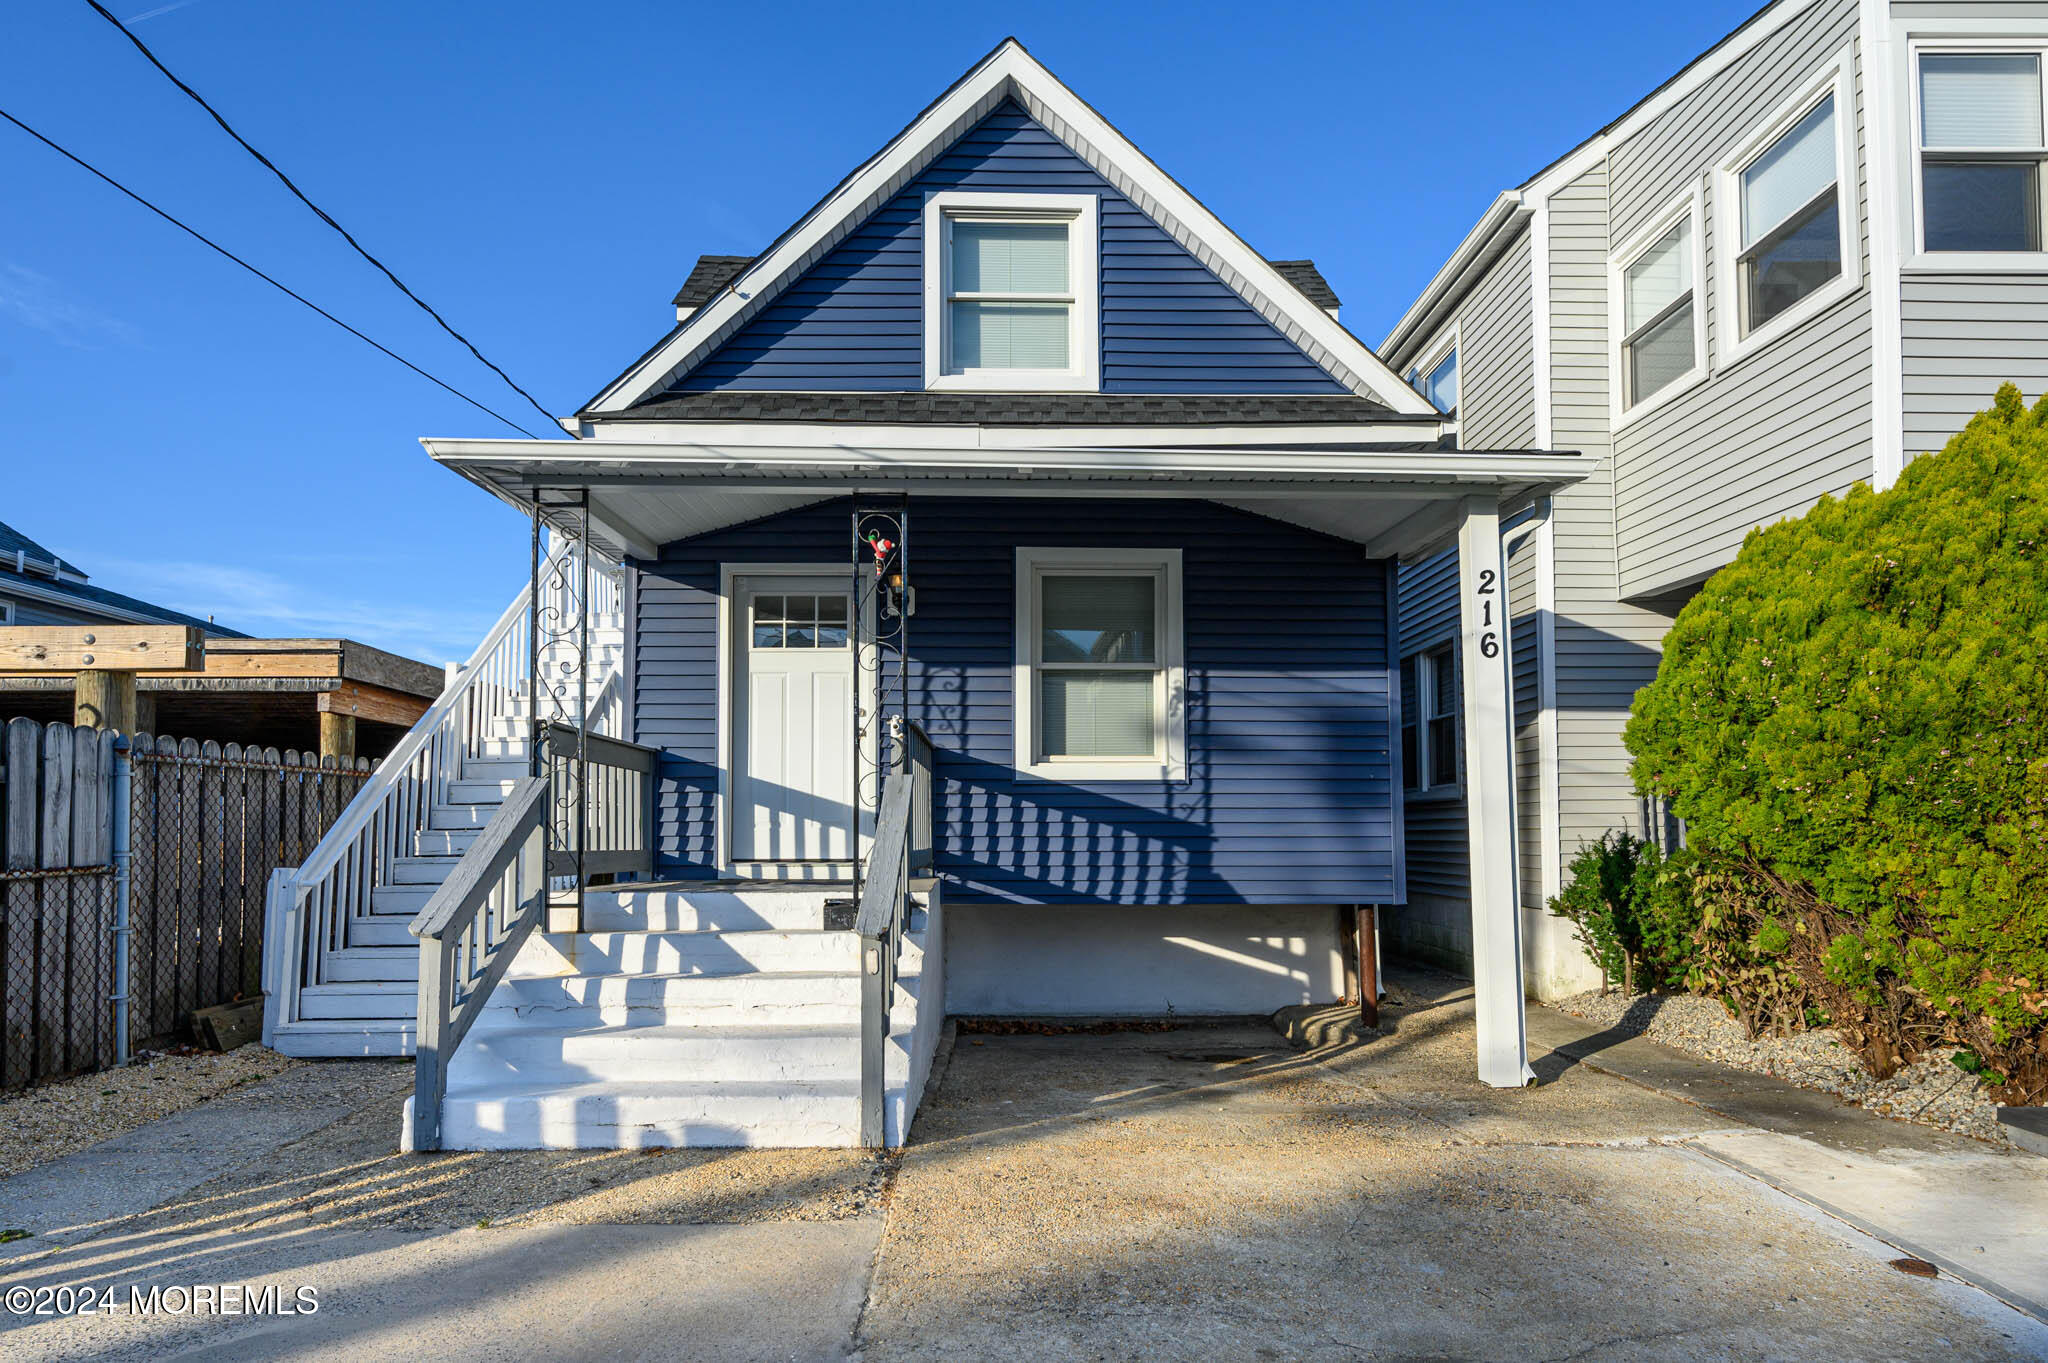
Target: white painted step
x: 361, y: 963
x: 444, y: 842
x: 696, y: 954
x: 390, y: 1000
x: 346, y: 1037
x: 460, y: 816
x: 404, y: 900
x: 730, y: 910
x: 778, y: 998
x: 508, y: 769
x: 474, y: 791
x: 379, y: 930
x: 532, y: 1055
x: 423, y: 871
x: 631, y: 1116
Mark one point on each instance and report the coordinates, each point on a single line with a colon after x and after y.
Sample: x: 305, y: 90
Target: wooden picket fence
x: 209, y: 823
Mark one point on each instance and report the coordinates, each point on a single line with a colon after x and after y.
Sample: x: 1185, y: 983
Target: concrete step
x: 533, y: 1055
x: 361, y: 1000
x: 728, y: 910
x: 427, y: 871
x: 702, y: 953
x: 631, y: 1116
x: 357, y: 964
x: 768, y: 999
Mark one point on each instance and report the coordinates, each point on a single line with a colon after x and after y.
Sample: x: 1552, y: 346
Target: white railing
x: 487, y: 702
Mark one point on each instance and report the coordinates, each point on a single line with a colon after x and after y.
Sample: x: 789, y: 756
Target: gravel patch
x: 1931, y: 1090
x: 67, y: 1115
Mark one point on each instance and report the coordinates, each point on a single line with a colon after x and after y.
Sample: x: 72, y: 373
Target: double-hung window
x: 1982, y: 146
x: 1429, y: 740
x: 1010, y: 292
x: 1660, y: 324
x: 1783, y: 207
x: 1099, y: 676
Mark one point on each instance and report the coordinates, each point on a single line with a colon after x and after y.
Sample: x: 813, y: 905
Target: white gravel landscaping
x: 50, y: 1120
x: 1931, y: 1090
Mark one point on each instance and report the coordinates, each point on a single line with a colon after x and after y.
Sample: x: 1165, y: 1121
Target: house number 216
x: 1489, y: 637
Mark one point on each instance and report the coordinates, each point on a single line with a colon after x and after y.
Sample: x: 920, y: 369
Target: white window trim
x: 1170, y: 701
x: 1959, y: 262
x: 1690, y: 204
x: 1425, y: 683
x: 1449, y: 342
x: 6, y: 612
x: 1084, y: 342
x: 1836, y: 79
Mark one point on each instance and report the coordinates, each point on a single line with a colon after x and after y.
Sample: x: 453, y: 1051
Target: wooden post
x: 1489, y: 799
x: 103, y: 698
x: 1368, y: 965
x: 145, y: 712
x: 337, y: 735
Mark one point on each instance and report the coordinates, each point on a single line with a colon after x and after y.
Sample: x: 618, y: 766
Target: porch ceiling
x: 1394, y: 501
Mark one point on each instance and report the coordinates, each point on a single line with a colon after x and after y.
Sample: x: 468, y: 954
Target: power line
x: 318, y: 211
x: 205, y: 240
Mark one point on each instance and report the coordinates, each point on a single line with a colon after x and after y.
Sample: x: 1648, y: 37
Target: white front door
x: 793, y: 767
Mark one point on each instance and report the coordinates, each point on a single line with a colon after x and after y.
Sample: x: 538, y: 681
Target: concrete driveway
x: 1201, y: 1193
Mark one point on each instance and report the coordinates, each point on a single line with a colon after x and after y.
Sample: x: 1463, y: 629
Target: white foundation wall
x: 1437, y: 930
x: 1033, y: 960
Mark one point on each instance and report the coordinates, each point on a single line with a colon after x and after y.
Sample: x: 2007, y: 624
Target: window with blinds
x: 1099, y: 645
x: 1010, y: 292
x: 1982, y: 146
x: 1790, y: 219
x: 1659, y: 322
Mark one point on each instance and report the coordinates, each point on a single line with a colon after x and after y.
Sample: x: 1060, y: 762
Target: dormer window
x: 1010, y: 292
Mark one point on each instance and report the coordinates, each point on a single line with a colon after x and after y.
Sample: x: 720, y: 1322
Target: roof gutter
x: 1481, y: 247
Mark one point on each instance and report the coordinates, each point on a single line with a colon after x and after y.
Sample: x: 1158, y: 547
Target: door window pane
x: 832, y: 622
x: 1981, y: 100
x: 1097, y: 714
x: 802, y: 627
x: 1098, y: 619
x: 1791, y: 171
x: 768, y: 622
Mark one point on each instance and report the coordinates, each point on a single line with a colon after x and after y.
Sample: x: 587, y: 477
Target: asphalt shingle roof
x: 1304, y: 275
x: 1018, y: 409
x: 707, y: 277
x: 12, y: 540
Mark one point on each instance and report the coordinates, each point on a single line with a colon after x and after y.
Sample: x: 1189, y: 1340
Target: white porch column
x: 1489, y: 797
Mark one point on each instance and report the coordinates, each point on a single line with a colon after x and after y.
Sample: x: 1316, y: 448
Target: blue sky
x: 545, y: 173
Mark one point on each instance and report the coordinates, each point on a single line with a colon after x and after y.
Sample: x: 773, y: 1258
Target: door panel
x: 793, y: 773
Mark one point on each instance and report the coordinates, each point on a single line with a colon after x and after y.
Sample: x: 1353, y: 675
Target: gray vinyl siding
x: 1525, y: 637
x: 43, y: 613
x: 1767, y: 436
x: 1961, y: 336
x: 1606, y: 649
x: 1496, y: 360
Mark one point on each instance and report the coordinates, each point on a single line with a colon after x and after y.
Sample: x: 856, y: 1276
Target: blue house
x: 981, y: 602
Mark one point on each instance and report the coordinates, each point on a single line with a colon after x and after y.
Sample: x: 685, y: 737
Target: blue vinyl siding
x: 1290, y: 796
x: 1438, y: 861
x: 855, y: 320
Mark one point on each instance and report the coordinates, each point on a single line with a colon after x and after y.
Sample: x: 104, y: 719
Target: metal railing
x: 488, y: 701
x: 470, y: 931
x: 902, y: 848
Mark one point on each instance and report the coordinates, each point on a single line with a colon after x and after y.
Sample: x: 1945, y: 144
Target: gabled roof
x: 1011, y: 73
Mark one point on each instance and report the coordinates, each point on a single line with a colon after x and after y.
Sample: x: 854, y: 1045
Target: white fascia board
x: 1477, y: 250
x: 1459, y: 272
x: 1011, y: 72
x: 827, y: 435
x: 570, y: 460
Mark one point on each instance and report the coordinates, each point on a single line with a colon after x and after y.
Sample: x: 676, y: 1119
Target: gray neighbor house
x: 1807, y: 257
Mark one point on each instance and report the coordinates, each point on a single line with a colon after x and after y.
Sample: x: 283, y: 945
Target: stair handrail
x: 469, y: 932
x: 884, y: 911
